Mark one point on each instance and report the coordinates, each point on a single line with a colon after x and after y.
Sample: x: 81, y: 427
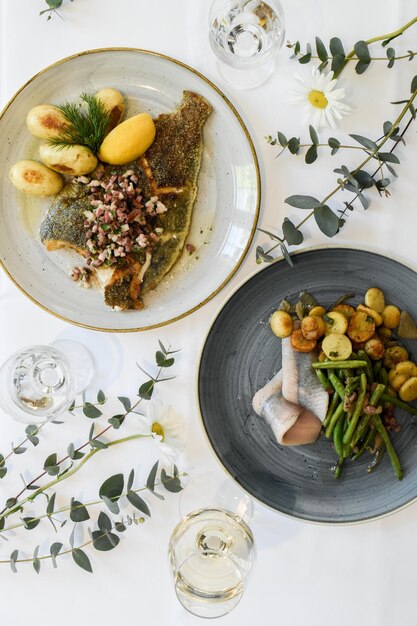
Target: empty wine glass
x: 39, y: 382
x: 211, y: 550
x: 246, y: 35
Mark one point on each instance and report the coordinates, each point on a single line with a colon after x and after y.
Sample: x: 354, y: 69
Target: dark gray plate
x: 241, y: 354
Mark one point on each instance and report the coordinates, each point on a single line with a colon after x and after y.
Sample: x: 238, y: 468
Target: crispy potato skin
x: 406, y: 367
x: 396, y: 380
x: 35, y: 178
x: 394, y: 355
x: 46, y: 121
x: 375, y: 299
x: 346, y: 310
x: 313, y: 327
x: 361, y: 327
x: 281, y: 324
x: 318, y: 311
x: 408, y: 391
x: 300, y: 343
x: 73, y: 161
x: 374, y: 348
x: 114, y: 103
x: 375, y: 316
x: 391, y: 316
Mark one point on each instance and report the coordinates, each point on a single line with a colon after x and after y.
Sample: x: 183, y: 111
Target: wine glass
x: 246, y: 35
x: 211, y: 550
x: 39, y: 382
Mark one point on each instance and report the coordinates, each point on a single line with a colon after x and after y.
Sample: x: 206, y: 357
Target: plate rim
x: 257, y: 173
x: 241, y: 283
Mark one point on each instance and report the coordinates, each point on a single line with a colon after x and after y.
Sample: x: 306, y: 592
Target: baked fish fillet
x: 169, y: 170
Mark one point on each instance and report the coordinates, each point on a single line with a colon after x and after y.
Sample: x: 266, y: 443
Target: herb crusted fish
x: 131, y: 222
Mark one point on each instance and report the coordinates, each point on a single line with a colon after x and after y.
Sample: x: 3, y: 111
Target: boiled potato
x: 374, y: 348
x: 391, y: 316
x: 35, y: 179
x: 313, y: 327
x: 114, y: 102
x: 406, y: 367
x: 337, y: 347
x: 375, y: 316
x: 300, y: 343
x: 361, y: 327
x: 318, y: 311
x: 73, y: 160
x: 346, y: 310
x: 384, y: 334
x: 394, y: 355
x: 338, y: 324
x: 129, y: 140
x: 46, y: 121
x: 408, y: 391
x: 396, y: 380
x: 375, y: 299
x: 281, y: 324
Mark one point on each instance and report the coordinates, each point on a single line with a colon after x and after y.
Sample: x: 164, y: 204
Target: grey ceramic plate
x: 241, y: 354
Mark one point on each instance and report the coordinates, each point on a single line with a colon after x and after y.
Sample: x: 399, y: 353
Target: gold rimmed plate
x: 225, y: 212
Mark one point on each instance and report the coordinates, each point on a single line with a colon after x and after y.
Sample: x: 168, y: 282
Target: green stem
x: 19, y: 445
x: 63, y: 477
x: 369, y: 157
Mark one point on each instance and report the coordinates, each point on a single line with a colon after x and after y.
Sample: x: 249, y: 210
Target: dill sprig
x: 86, y: 127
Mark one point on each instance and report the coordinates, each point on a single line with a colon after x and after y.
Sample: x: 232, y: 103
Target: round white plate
x: 225, y: 212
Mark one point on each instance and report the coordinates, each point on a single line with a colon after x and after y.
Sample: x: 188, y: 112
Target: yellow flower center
x: 318, y: 99
x: 158, y: 429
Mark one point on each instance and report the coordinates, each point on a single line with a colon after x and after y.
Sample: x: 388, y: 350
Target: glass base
x: 248, y: 78
x: 81, y: 361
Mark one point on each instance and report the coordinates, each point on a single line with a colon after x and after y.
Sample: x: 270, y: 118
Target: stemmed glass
x: 246, y: 35
x: 211, y: 550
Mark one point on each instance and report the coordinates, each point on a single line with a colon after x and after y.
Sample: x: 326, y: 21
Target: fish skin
x: 169, y: 170
x: 300, y: 383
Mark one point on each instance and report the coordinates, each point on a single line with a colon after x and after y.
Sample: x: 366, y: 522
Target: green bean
x: 332, y: 365
x: 324, y: 380
x: 395, y: 461
x: 376, y: 394
x: 331, y: 409
x: 338, y: 435
x: 338, y: 386
x: 357, y: 411
x: 367, y: 442
x: 334, y: 419
x: 339, y: 467
x: 353, y: 357
x: 402, y: 405
x: 369, y: 371
x: 383, y: 376
x: 377, y: 368
x: 351, y: 387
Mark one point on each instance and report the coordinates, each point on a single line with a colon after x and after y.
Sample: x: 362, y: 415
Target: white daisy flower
x: 167, y: 429
x: 322, y: 102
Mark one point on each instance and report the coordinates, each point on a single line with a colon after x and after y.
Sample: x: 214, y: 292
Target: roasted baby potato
x: 374, y: 348
x: 129, y: 140
x: 408, y: 391
x: 375, y: 299
x: 281, y: 324
x: 35, y: 179
x: 337, y: 347
x: 396, y: 380
x: 318, y: 311
x: 391, y: 316
x: 346, y: 310
x: 361, y: 327
x: 72, y: 160
x: 384, y: 334
x: 375, y: 316
x: 406, y: 367
x: 335, y: 323
x: 300, y: 343
x: 313, y: 327
x: 114, y: 102
x: 394, y: 355
x: 46, y: 121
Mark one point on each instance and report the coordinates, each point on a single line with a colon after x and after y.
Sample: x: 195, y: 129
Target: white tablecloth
x: 304, y: 573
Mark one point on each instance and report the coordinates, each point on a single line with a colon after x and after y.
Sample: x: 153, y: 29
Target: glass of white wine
x: 212, y: 550
x: 246, y: 35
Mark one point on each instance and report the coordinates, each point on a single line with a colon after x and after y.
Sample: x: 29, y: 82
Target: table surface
x: 304, y: 572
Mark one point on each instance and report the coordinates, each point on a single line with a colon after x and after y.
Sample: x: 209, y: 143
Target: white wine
x: 211, y: 552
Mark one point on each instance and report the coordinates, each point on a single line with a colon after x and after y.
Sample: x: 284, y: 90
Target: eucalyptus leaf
x: 54, y: 550
x: 336, y: 46
x: 262, y: 256
x: 36, y: 565
x: 146, y: 390
x: 73, y: 454
x: 104, y: 522
x: 303, y: 202
x: 388, y: 157
x: 78, y: 512
x: 363, y: 200
x: 120, y: 527
x: 32, y: 429
x: 321, y: 50
x: 391, y: 170
x: 19, y: 450
x: 286, y: 254
x: 334, y: 145
x: 313, y: 135
x: 306, y: 58
x: 101, y: 398
x: 364, y: 179
x: 361, y: 67
x: 13, y: 558
x: 111, y: 505
x: 112, y: 488
x: 30, y: 522
x: 126, y: 403
x: 282, y: 139
x: 387, y: 127
x: 81, y: 559
x: 130, y: 480
x: 91, y: 411
x: 294, y: 145
x: 362, y: 51
x: 414, y: 84
x: 138, y: 502
x: 337, y: 62
x: 100, y: 445
x: 171, y: 483
x: 311, y: 155
x: 293, y: 236
x: 116, y: 421
x: 364, y: 141
x: 51, y: 504
x: 327, y: 220
x: 54, y: 4
x: 150, y: 483
x: 104, y: 542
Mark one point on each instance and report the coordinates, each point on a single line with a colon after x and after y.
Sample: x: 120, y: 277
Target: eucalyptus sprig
x: 53, y: 5
x: 60, y: 469
x: 355, y: 181
x: 361, y: 55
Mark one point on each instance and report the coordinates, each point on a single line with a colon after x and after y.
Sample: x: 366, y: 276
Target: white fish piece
x: 300, y: 383
x: 291, y: 424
